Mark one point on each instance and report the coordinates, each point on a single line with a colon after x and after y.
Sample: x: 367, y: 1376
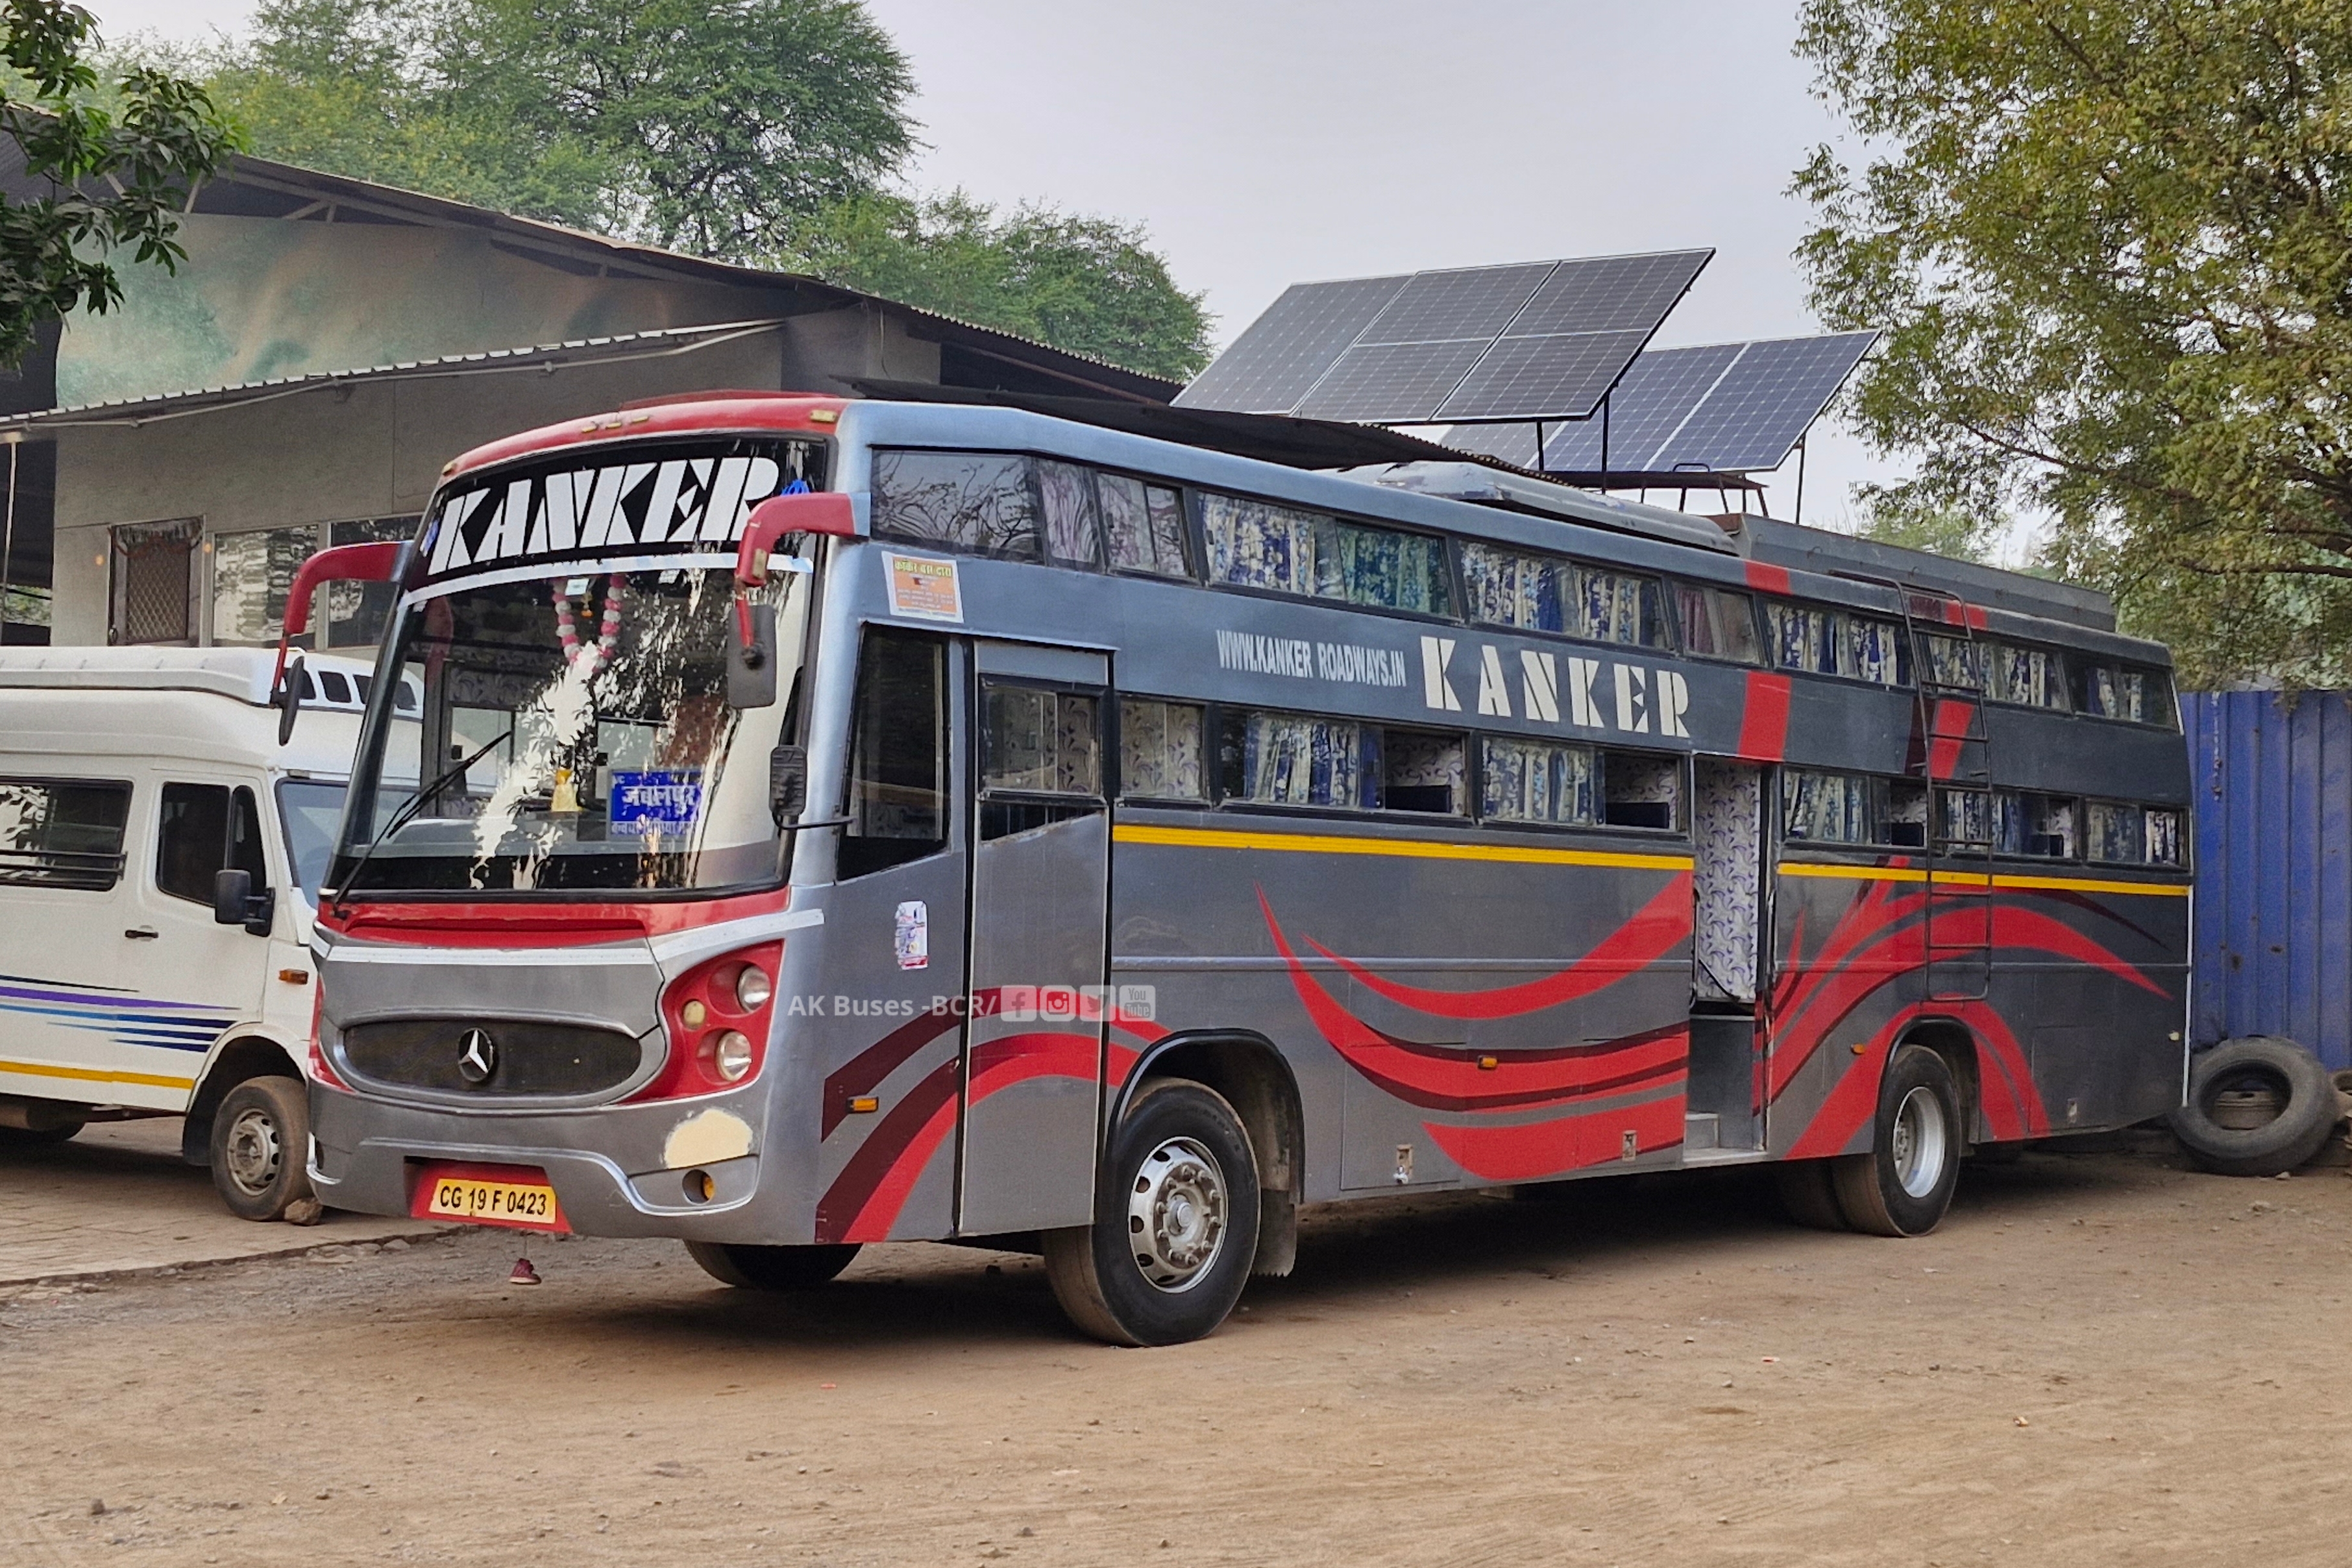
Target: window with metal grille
x: 149, y: 591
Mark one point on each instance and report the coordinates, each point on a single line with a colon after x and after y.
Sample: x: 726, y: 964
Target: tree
x: 756, y: 131
x: 107, y: 178
x: 2111, y: 242
x: 1090, y: 285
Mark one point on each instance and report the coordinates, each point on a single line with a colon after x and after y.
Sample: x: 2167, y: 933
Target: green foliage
x: 2111, y: 241
x: 754, y: 130
x: 1085, y: 284
x: 1914, y: 520
x: 116, y: 173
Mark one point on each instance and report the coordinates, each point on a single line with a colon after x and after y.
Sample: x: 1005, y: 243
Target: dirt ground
x: 2099, y: 1359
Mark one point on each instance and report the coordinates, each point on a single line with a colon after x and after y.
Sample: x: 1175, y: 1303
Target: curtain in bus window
x: 1965, y: 816
x: 1525, y: 781
x: 1290, y: 759
x: 1041, y: 742
x: 2117, y: 833
x: 2143, y: 697
x: 1727, y: 833
x: 1506, y: 589
x: 1801, y: 638
x: 2027, y: 675
x: 1641, y: 791
x: 1159, y: 750
x: 1868, y: 649
x: 1611, y: 607
x: 1143, y: 525
x: 1377, y: 566
x: 979, y: 501
x: 1954, y: 663
x: 1717, y: 623
x: 2037, y: 824
x: 1422, y: 773
x: 2099, y: 695
x: 1067, y: 492
x: 1827, y: 808
x: 1255, y: 545
x: 2164, y: 837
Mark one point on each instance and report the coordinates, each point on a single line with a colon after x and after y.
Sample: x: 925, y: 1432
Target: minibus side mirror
x: 234, y: 903
x: 787, y: 783
x: 378, y: 562
x: 288, y: 696
x: 751, y: 660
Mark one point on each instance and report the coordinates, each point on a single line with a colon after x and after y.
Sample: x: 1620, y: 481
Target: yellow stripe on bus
x: 1402, y: 849
x: 93, y: 1075
x: 1966, y: 879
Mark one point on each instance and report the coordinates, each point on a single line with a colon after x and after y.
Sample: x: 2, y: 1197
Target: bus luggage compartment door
x: 1040, y: 866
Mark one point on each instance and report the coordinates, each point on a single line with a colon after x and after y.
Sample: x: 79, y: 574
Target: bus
x: 842, y: 821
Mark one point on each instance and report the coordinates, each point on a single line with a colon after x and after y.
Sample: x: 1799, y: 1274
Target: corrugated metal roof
x: 165, y: 405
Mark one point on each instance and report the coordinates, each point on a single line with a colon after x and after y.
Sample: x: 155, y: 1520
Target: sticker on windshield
x: 923, y: 589
x: 912, y: 935
x: 662, y: 800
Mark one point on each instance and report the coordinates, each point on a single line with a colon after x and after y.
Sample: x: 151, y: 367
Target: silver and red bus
x: 833, y: 822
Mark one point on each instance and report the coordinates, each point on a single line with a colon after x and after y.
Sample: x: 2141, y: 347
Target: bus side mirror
x: 751, y: 660
x: 234, y: 903
x: 787, y: 783
x: 811, y: 511
x: 378, y: 562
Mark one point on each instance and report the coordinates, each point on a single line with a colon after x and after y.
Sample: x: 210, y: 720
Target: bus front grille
x: 492, y: 1057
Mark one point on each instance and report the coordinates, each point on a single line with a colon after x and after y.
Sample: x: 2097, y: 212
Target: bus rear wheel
x: 1175, y: 1227
x: 1904, y: 1186
x: 770, y: 1267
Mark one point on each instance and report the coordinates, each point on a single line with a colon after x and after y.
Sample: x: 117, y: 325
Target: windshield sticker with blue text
x: 673, y: 504
x: 660, y: 800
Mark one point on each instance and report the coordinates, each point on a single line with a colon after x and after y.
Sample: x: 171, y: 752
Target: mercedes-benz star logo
x: 477, y: 1056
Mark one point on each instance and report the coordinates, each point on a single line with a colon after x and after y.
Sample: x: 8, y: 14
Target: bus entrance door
x: 1728, y: 822
x: 1040, y: 892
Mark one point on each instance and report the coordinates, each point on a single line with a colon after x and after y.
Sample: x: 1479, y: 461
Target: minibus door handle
x: 142, y: 934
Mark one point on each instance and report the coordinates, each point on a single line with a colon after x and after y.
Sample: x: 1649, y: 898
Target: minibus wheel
x: 37, y: 1137
x: 1175, y: 1228
x: 1905, y: 1183
x: 261, y: 1135
x: 751, y: 1268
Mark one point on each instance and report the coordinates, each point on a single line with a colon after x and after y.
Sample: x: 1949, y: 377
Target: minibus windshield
x: 586, y: 696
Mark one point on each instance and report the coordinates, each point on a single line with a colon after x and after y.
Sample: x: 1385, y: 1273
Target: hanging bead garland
x: 588, y: 660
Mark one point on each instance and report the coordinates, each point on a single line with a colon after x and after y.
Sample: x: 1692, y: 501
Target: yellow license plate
x: 479, y: 1201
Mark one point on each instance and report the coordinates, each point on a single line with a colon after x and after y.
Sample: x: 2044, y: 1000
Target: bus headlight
x: 754, y: 989
x: 731, y: 1055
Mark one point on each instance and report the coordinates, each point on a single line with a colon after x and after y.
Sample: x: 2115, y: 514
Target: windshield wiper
x: 407, y: 814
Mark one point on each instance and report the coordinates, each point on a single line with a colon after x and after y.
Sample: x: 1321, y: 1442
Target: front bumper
x: 365, y: 1154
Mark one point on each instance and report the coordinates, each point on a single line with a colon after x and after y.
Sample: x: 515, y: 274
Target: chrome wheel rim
x: 1920, y: 1143
x: 1176, y: 1215
x: 253, y: 1154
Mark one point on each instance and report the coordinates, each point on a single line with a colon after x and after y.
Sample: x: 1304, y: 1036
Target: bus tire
x: 1806, y: 1194
x: 2257, y: 1073
x: 770, y: 1267
x: 1175, y: 1227
x: 1904, y: 1186
x: 261, y: 1135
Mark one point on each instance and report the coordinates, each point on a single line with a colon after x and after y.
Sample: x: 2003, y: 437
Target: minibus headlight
x: 752, y: 987
x: 731, y: 1055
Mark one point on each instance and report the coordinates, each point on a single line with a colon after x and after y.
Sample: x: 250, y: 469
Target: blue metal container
x: 2274, y: 920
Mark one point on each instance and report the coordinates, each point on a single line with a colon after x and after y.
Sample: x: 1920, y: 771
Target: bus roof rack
x: 1516, y: 490
x: 1777, y: 543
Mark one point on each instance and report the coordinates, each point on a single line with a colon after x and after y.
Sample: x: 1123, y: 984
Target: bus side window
x: 1159, y: 750
x: 979, y: 501
x: 1041, y: 757
x: 1072, y: 536
x: 898, y: 779
x: 1638, y: 790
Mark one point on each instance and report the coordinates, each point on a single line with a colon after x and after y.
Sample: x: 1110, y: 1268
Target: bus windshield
x: 576, y: 732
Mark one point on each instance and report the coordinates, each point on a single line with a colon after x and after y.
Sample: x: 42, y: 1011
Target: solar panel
x: 1373, y: 381
x: 1284, y: 351
x: 1540, y: 340
x: 1714, y: 408
x: 1759, y: 409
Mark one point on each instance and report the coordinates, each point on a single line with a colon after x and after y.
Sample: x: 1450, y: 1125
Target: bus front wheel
x: 1905, y: 1183
x: 1175, y: 1227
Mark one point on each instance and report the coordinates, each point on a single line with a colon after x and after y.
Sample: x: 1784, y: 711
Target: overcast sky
x: 1274, y: 141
